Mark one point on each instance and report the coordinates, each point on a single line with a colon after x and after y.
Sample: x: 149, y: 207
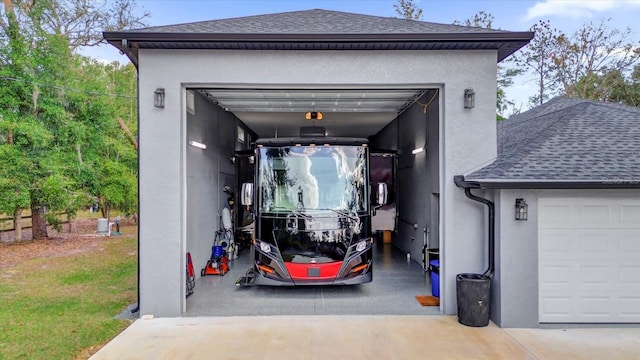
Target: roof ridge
x: 617, y: 106
x: 555, y: 111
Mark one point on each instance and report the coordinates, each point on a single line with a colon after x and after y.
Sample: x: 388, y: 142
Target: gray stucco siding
x: 467, y: 142
x: 516, y: 282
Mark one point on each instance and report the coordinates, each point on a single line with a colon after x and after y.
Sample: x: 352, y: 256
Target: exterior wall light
x: 522, y: 209
x: 158, y: 98
x: 469, y: 99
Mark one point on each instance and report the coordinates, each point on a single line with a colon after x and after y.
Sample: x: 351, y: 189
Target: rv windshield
x: 300, y: 178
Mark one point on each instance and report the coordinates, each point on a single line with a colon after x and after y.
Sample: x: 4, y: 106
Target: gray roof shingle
x: 316, y: 21
x: 568, y: 140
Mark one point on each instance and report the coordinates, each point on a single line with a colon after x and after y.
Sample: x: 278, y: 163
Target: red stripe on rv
x: 327, y: 271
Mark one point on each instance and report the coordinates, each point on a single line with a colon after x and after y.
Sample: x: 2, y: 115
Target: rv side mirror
x: 246, y: 197
x: 381, y: 194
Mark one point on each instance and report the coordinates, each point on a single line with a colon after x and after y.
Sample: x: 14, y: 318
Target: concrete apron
x: 359, y: 337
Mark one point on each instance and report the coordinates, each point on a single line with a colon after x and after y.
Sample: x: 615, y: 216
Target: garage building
x: 405, y: 85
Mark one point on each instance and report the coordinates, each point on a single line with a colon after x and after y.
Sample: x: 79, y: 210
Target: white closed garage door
x: 589, y: 260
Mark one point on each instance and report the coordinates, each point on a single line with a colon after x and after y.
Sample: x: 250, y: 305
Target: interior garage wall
x: 417, y: 174
x: 205, y: 169
x: 515, y: 285
x: 207, y: 172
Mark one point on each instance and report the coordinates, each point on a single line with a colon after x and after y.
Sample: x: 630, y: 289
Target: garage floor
x: 395, y: 284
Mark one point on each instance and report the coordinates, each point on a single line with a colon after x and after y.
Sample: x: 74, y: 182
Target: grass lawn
x: 63, y: 307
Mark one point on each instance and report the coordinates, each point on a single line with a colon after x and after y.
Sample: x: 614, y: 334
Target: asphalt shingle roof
x: 568, y: 140
x: 316, y: 21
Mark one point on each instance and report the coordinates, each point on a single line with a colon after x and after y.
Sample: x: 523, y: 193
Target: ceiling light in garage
x: 313, y: 115
x: 198, y: 145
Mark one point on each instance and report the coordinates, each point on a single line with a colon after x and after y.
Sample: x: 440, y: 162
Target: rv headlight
x: 361, y: 245
x: 265, y: 247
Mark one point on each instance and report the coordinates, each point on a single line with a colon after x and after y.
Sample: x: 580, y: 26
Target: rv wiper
x: 346, y: 213
x: 351, y: 215
x: 295, y: 212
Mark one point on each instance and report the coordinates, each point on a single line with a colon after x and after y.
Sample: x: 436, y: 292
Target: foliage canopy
x: 61, y: 145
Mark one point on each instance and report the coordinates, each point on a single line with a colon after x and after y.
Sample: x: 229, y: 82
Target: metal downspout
x: 467, y: 186
x: 127, y: 51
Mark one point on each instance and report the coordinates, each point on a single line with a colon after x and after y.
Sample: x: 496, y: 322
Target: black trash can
x: 473, y: 295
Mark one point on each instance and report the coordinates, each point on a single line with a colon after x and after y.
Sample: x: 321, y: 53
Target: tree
x: 481, y: 19
x: 14, y: 189
x: 408, y: 10
x: 505, y: 79
x: 50, y: 117
x: 613, y: 86
x: 504, y: 74
x: 622, y: 89
x: 592, y: 52
x: 107, y: 160
x: 81, y: 22
x: 536, y: 56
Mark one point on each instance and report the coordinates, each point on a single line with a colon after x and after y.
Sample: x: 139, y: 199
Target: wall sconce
x: 158, y: 97
x: 417, y: 150
x: 522, y: 209
x: 469, y: 99
x: 198, y: 145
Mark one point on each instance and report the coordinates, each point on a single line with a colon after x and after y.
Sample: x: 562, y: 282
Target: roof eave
x: 510, y: 41
x: 556, y: 184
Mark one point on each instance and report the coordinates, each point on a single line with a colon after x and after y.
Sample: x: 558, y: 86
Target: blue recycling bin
x: 434, y: 268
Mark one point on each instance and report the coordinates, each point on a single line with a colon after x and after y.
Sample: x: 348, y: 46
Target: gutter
x: 510, y: 36
x: 506, y: 43
x: 467, y: 186
x: 613, y: 183
x: 127, y: 51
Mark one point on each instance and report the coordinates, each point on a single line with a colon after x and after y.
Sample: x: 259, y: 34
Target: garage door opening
x: 402, y: 124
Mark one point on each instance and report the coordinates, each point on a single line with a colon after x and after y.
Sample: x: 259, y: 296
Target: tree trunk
x: 72, y: 224
x: 127, y: 132
x: 541, y: 88
x: 17, y: 224
x: 38, y: 222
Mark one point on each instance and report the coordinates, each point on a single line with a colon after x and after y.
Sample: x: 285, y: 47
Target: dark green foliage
x: 59, y: 111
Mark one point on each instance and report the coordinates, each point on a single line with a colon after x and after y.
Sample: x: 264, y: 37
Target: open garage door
x: 348, y: 112
x: 229, y: 120
x: 589, y: 260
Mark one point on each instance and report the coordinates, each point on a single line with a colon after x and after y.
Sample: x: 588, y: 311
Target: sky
x: 513, y: 15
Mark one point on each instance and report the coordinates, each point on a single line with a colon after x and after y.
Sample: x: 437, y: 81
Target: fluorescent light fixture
x: 417, y: 150
x: 199, y: 145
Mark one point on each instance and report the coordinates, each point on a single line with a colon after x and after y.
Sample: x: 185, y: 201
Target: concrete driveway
x: 360, y: 337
